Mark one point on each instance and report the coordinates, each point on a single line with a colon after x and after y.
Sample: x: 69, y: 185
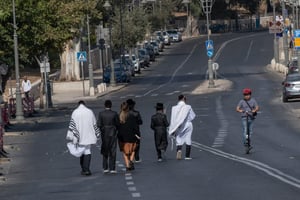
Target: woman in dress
x: 128, y: 135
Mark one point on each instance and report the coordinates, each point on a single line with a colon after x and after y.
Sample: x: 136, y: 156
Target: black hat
x: 159, y: 106
x: 130, y: 102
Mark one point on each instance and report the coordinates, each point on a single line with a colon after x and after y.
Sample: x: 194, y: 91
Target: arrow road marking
x: 255, y: 164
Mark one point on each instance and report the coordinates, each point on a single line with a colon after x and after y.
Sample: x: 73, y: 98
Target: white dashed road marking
x: 223, y: 130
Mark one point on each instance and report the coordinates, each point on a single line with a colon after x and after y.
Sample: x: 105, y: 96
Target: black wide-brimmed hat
x: 159, y: 106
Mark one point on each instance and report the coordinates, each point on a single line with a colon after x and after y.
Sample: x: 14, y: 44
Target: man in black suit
x: 108, y: 122
x: 138, y: 117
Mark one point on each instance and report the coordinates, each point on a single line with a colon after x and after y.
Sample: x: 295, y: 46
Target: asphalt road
x: 42, y: 169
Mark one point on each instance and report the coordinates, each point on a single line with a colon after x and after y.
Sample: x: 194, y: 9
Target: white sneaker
x: 159, y: 160
x: 113, y: 171
x: 105, y: 171
x: 188, y: 158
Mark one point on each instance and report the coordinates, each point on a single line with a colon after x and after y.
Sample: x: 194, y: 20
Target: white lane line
x: 136, y: 194
x: 252, y: 163
x: 218, y: 53
x: 223, y: 130
x: 132, y: 189
x: 174, y: 73
x: 249, y: 51
x: 130, y: 183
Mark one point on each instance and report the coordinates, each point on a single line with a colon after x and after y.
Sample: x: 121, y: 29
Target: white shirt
x: 26, y: 86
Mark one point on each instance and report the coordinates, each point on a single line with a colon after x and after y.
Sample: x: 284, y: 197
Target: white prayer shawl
x: 181, y: 123
x: 83, y: 128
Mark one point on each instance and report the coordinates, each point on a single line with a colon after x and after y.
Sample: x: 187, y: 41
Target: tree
x: 43, y: 26
x: 133, y: 29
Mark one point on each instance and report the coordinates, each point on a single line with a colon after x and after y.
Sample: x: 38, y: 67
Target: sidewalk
x: 69, y: 93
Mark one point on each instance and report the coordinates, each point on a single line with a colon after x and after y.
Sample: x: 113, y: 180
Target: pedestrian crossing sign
x: 81, y: 56
x: 209, y: 45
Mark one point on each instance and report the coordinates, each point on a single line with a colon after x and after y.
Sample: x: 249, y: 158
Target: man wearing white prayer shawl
x: 83, y: 132
x: 181, y: 126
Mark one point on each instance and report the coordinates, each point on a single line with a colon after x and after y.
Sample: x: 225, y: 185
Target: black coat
x: 159, y: 124
x: 139, y: 120
x: 108, y: 122
x: 129, y: 129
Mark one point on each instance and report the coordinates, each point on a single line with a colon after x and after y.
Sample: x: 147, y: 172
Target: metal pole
x: 82, y: 74
x: 285, y: 38
x: 211, y: 83
x: 19, y: 106
x: 297, y: 17
x: 276, y: 48
x: 112, y: 67
x: 91, y: 78
x: 45, y: 79
x: 100, y: 48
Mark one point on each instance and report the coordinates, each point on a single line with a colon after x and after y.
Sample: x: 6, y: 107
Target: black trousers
x: 85, y: 161
x: 109, y: 152
x: 137, y: 150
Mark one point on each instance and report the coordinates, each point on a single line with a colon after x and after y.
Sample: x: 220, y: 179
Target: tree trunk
x: 70, y: 70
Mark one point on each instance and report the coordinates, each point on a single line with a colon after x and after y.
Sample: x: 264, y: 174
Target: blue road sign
x: 210, y: 52
x: 81, y: 56
x: 297, y: 33
x: 209, y: 44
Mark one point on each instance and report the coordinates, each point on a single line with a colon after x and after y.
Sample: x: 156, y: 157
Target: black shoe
x: 87, y: 173
x: 5, y: 152
x: 3, y: 155
x: 131, y: 165
x: 128, y: 169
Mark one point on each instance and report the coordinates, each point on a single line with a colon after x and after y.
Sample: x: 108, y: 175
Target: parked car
x: 121, y: 73
x: 167, y: 38
x: 164, y: 35
x: 136, y: 62
x: 151, y: 52
x: 293, y: 67
x: 144, y: 55
x: 175, y: 36
x: 155, y: 47
x: 291, y: 87
x: 128, y: 64
x: 161, y: 44
x: 217, y: 28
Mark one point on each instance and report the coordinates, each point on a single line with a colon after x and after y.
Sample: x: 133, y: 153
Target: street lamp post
x: 285, y: 38
x: 19, y: 107
x: 108, y: 7
x: 276, y: 48
x: 91, y: 78
x: 207, y: 7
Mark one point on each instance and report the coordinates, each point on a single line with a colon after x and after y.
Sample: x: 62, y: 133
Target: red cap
x: 247, y: 91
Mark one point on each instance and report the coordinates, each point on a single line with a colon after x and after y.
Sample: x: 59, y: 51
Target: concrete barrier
x: 101, y: 87
x: 279, y: 67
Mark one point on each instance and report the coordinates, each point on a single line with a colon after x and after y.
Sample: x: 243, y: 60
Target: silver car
x: 291, y: 87
x: 175, y: 35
